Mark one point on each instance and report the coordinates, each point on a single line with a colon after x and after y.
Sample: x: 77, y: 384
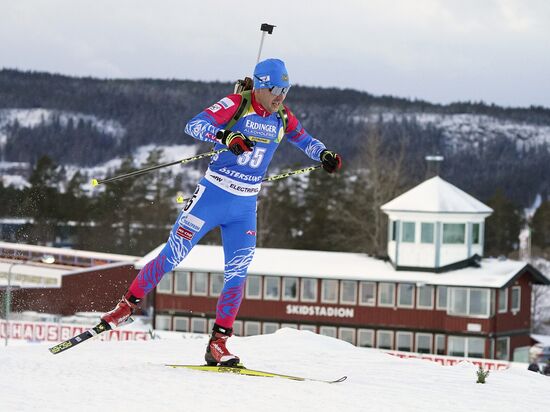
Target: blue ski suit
x: 226, y: 197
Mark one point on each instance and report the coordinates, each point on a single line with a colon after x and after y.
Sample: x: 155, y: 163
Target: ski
x: 252, y: 372
x: 75, y: 340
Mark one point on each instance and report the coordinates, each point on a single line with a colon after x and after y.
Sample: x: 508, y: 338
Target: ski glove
x: 236, y: 142
x: 331, y: 161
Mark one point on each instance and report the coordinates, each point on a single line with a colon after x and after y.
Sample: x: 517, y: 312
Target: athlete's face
x: 269, y: 102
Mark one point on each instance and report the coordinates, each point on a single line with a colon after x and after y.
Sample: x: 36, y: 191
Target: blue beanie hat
x: 269, y: 73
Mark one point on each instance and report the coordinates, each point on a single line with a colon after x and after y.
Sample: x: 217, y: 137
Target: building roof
x: 21, y: 248
x: 32, y: 275
x: 492, y: 273
x: 436, y: 195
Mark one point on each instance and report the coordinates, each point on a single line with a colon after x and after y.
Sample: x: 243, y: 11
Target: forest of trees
x: 155, y: 112
x: 339, y: 212
x: 382, y: 158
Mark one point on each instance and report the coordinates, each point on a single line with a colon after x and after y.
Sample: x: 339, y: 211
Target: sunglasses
x: 277, y: 91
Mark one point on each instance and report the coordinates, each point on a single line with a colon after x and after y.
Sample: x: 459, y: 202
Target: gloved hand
x: 331, y: 161
x: 237, y: 142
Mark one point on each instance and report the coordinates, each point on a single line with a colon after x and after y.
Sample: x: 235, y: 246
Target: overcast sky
x: 442, y: 51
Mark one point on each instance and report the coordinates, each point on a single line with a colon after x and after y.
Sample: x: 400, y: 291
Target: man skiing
x: 250, y: 125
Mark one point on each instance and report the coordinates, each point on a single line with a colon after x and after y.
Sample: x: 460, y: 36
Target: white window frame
x: 328, y: 283
x: 380, y: 332
x: 399, y: 334
x: 361, y: 332
x: 437, y: 299
x: 167, y: 319
x: 278, y: 280
x: 166, y: 290
x: 419, y: 335
x: 478, y: 233
x: 419, y: 303
x: 513, y: 308
x: 267, y: 325
x: 350, y: 302
x: 177, y: 275
x: 467, y: 314
x: 249, y: 324
x: 436, y: 346
x: 183, y: 319
x: 503, y: 293
x: 238, y: 328
x: 408, y: 222
x: 464, y: 234
x: 302, y: 288
x: 363, y: 284
x: 249, y: 295
x: 289, y: 325
x: 382, y: 304
x: 283, y: 289
x: 198, y: 320
x: 212, y: 276
x: 424, y: 224
x: 507, y: 340
x: 333, y: 332
x: 402, y: 305
x: 310, y: 328
x: 343, y: 330
x: 194, y: 292
x: 466, y: 339
x: 210, y: 325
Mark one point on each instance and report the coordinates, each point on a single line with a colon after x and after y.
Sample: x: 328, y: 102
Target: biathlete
x: 251, y: 125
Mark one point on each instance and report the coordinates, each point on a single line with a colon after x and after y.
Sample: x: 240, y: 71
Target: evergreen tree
x: 541, y: 229
x: 155, y: 208
x: 503, y: 226
x: 279, y: 214
x: 114, y: 210
x: 42, y: 202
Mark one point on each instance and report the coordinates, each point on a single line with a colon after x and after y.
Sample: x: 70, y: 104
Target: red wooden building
x: 434, y: 294
x: 75, y: 281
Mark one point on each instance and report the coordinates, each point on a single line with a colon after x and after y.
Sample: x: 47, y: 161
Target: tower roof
x: 436, y: 195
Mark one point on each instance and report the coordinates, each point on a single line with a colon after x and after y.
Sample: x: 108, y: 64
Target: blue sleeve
x: 202, y: 127
x: 207, y: 123
x: 300, y: 138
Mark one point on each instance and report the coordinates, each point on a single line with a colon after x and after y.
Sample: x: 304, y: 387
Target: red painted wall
x: 97, y: 290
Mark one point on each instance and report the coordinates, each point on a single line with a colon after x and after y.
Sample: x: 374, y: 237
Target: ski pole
x: 138, y: 172
x: 181, y: 199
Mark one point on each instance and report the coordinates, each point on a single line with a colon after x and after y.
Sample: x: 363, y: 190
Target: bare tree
x: 379, y: 177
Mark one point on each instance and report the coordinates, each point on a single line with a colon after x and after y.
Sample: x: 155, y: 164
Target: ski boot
x: 216, y: 352
x: 122, y: 311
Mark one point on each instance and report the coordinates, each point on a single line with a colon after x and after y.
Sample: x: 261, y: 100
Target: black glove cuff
x: 221, y: 135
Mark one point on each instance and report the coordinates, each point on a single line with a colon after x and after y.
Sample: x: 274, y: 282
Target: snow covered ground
x: 130, y: 376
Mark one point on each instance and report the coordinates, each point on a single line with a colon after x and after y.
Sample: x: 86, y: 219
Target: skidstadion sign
x: 310, y: 310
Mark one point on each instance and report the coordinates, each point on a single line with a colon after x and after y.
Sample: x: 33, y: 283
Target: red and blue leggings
x: 209, y: 207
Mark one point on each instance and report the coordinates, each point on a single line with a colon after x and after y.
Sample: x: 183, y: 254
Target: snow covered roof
x: 24, y: 248
x: 542, y: 339
x: 30, y: 275
x: 436, y: 195
x: 493, y: 273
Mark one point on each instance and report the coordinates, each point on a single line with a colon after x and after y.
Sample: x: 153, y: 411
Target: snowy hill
x: 117, y: 376
x: 86, y: 122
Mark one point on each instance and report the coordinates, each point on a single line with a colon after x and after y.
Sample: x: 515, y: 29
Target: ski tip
x: 94, y: 182
x: 342, y: 379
